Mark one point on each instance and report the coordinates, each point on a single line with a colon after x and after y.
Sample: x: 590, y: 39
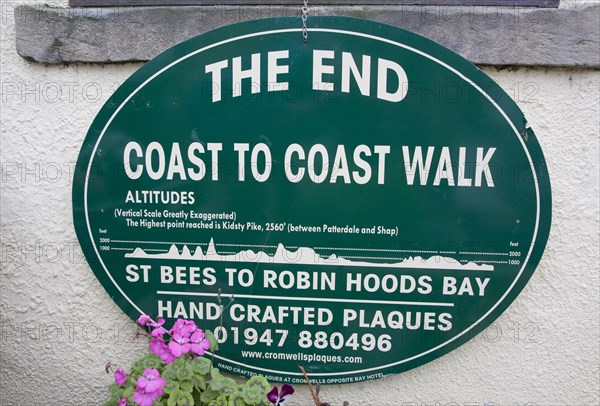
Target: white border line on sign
x: 355, y: 34
x: 302, y: 299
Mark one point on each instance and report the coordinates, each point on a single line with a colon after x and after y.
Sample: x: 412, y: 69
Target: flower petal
x: 197, y: 337
x: 144, y: 399
x: 158, y: 346
x: 158, y: 331
x: 120, y: 377
x: 151, y: 373
x: 167, y: 357
x: 141, y: 383
x: 287, y: 390
x: 143, y: 320
x: 197, y: 349
x: 159, y: 322
x: 153, y: 386
x: 273, y: 395
x: 175, y: 349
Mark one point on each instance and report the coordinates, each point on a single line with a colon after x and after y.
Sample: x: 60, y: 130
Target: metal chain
x: 304, y: 18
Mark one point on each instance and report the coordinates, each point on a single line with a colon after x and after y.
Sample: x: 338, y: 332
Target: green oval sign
x: 365, y: 202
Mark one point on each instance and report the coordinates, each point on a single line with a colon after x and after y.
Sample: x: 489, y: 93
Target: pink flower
x: 199, y: 343
x: 143, y: 320
x: 179, y: 345
x: 151, y: 381
x: 279, y: 398
x: 159, y: 330
x: 149, y: 387
x: 166, y: 356
x: 183, y: 327
x: 123, y: 402
x: 159, y: 322
x: 120, y: 377
x: 158, y: 347
x: 143, y: 398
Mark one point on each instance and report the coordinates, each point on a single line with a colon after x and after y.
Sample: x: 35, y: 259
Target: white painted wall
x: 59, y: 327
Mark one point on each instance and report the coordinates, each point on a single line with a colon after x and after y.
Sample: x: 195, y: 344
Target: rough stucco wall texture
x: 59, y: 327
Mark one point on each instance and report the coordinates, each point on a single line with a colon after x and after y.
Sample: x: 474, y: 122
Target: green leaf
x: 200, y: 381
x: 254, y: 394
x: 180, y: 398
x: 111, y: 402
x: 255, y: 390
x: 260, y: 382
x: 184, y: 373
x: 177, y: 364
x: 116, y: 393
x: 215, y: 374
x: 114, y: 388
x: 209, y: 395
x: 220, y: 401
x: 172, y: 386
x: 236, y: 399
x: 128, y: 391
x: 187, y: 385
x: 147, y: 361
x: 222, y: 384
x: 231, y: 386
x: 170, y: 372
x: 183, y: 368
x: 214, y: 345
x: 196, y: 396
x: 201, y: 365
